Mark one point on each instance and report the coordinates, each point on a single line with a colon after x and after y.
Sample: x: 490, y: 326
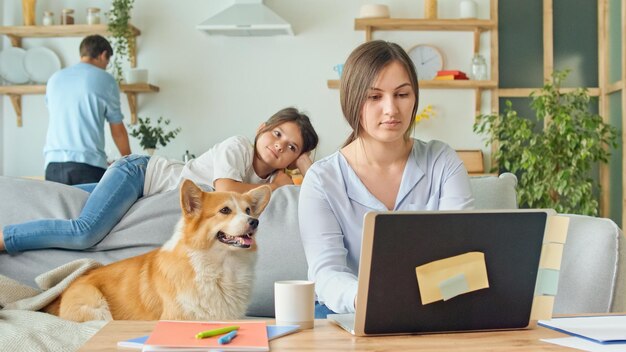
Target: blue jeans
x: 321, y: 311
x: 119, y: 189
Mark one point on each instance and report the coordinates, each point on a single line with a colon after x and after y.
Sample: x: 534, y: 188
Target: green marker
x: 215, y: 332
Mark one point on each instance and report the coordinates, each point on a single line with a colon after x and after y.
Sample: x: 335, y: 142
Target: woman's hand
x: 304, y: 162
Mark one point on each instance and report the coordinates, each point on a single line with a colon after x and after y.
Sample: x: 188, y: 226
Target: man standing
x: 80, y: 98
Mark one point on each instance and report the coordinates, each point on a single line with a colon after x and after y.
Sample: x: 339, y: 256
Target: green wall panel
x: 520, y: 41
x: 615, y: 161
x: 615, y: 40
x: 576, y: 41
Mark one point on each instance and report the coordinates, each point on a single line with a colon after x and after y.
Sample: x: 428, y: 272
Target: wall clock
x: 427, y: 60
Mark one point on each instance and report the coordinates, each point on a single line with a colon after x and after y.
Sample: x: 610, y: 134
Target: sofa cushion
x: 494, y: 192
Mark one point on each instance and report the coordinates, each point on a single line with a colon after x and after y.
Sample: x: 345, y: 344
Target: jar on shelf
x: 93, y: 15
x: 67, y: 16
x: 48, y: 18
x: 468, y: 9
x: 478, y: 69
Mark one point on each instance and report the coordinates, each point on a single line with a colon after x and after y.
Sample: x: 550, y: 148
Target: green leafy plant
x: 150, y: 136
x: 122, y: 38
x: 554, y: 153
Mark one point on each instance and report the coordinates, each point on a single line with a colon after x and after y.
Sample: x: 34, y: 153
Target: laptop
x: 396, y: 244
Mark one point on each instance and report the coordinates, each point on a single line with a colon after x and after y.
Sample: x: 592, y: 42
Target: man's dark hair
x: 94, y: 45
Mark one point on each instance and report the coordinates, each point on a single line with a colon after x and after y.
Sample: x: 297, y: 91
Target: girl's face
x: 388, y: 109
x: 280, y: 146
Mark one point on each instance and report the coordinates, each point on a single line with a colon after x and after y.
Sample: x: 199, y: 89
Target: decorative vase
x: 430, y: 9
x: 28, y: 12
x: 149, y: 151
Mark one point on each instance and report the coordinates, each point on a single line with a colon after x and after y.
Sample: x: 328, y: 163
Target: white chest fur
x: 222, y: 285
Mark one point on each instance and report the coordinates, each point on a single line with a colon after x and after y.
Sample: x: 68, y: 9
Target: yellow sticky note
x: 542, y: 308
x: 551, y: 255
x: 434, y: 277
x: 556, y: 229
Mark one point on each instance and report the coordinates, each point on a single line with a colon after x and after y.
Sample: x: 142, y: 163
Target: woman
x: 380, y: 167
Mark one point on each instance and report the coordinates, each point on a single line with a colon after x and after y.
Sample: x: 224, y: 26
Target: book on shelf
x: 450, y: 75
x: 449, y: 72
x: 273, y: 332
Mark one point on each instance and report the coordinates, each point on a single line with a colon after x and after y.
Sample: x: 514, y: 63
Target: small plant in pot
x: 553, y: 155
x: 151, y: 136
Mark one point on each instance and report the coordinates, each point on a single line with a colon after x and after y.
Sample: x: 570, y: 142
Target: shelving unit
x: 434, y: 84
x: 131, y: 90
x: 17, y: 33
x: 477, y: 26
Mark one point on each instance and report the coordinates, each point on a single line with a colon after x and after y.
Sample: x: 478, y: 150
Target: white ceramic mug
x: 294, y: 303
x: 137, y: 75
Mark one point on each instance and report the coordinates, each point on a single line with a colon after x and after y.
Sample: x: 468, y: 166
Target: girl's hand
x: 281, y: 179
x: 304, y: 162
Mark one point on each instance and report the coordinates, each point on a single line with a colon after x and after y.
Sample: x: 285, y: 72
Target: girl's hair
x: 309, y: 136
x: 359, y: 72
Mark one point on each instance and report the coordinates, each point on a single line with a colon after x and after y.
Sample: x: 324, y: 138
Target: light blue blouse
x: 333, y: 202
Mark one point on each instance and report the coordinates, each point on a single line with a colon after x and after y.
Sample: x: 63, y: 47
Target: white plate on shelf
x: 41, y: 63
x: 12, y: 65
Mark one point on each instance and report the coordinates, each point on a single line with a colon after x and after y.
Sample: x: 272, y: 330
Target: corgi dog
x: 203, y: 272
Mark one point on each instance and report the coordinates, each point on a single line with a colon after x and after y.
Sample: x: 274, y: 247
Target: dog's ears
x: 260, y: 197
x: 190, y: 198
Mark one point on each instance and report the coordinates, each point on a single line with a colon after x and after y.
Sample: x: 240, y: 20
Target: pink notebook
x: 251, y: 336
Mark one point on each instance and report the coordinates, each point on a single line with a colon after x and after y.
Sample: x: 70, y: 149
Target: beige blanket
x: 23, y: 328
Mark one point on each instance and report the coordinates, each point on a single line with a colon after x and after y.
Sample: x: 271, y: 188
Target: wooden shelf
x: 416, y: 24
x: 131, y: 90
x: 72, y: 30
x: 16, y: 33
x: 369, y: 25
x: 434, y: 84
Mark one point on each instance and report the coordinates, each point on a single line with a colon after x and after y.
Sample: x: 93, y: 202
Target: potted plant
x: 554, y: 153
x: 151, y: 136
x: 122, y: 38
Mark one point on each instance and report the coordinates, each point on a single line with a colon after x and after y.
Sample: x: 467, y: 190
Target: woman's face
x: 388, y: 109
x: 280, y: 146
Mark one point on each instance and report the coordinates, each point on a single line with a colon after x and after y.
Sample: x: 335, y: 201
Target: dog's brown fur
x: 194, y: 276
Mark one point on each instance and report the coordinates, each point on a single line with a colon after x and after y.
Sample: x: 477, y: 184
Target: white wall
x: 214, y: 86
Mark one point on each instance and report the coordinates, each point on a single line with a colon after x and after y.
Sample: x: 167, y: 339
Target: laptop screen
x: 401, y: 241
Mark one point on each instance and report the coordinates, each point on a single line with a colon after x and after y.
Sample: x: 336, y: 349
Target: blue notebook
x: 273, y: 332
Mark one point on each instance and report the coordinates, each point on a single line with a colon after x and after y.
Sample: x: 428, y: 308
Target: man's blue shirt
x: 80, y: 98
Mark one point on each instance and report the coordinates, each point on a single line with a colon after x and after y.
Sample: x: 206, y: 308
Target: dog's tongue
x: 246, y: 240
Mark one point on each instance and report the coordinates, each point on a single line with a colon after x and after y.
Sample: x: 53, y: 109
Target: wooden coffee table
x: 329, y: 337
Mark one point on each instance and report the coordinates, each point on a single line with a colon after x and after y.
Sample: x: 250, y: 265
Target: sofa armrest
x: 619, y: 297
x: 592, y: 266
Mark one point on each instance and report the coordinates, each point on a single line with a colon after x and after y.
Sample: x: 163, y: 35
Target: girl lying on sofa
x: 236, y: 164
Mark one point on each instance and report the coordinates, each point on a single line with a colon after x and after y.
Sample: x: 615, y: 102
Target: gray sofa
x: 592, y: 274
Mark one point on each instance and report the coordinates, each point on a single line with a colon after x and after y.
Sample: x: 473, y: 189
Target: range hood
x: 246, y: 18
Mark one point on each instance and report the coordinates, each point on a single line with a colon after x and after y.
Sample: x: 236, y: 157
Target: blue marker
x: 227, y: 338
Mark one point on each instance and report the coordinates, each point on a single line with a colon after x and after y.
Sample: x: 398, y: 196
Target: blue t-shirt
x: 79, y: 100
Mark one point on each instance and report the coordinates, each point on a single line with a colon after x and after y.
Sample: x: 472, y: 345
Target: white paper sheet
x: 609, y: 328
x: 586, y: 345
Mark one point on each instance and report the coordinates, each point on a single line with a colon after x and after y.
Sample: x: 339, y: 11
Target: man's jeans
x: 71, y: 173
